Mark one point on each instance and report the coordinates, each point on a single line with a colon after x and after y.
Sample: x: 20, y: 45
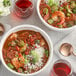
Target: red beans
x: 26, y: 52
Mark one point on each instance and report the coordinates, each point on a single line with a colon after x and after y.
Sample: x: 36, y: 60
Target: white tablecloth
x: 34, y: 20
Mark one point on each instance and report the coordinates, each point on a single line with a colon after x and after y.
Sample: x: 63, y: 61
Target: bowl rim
x: 28, y: 26
x: 50, y: 26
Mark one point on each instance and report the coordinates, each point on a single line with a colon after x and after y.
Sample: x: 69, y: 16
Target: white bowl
x: 50, y: 26
x: 27, y: 27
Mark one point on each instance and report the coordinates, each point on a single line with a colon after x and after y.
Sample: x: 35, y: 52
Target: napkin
x: 71, y: 38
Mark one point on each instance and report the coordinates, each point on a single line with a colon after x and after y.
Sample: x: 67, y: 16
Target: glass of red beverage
x: 23, y: 8
x: 61, y: 68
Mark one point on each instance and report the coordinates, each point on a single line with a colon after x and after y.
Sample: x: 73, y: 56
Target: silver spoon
x: 66, y: 49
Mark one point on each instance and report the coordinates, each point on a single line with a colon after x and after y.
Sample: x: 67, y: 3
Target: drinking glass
x: 23, y: 8
x: 61, y: 68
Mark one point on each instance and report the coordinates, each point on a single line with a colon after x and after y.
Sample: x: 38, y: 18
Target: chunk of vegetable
x: 45, y: 11
x: 21, y: 43
x: 60, y: 26
x: 26, y: 61
x: 68, y: 14
x: 22, y: 49
x: 50, y: 2
x: 10, y: 65
x: 61, y: 8
x: 73, y: 4
x: 50, y: 21
x: 47, y: 53
x: 69, y: 25
x: 54, y: 8
x: 75, y: 22
x: 68, y: 9
x: 74, y: 10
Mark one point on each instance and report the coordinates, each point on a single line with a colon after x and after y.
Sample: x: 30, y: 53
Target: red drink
x: 23, y: 8
x: 61, y: 69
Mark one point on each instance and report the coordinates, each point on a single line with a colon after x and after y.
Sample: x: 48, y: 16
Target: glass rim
x: 26, y: 8
x: 63, y: 61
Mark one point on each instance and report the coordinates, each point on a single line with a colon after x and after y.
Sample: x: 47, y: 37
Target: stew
x: 25, y: 51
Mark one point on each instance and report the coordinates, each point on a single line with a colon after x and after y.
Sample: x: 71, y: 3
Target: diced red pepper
x: 19, y: 54
x: 17, y: 48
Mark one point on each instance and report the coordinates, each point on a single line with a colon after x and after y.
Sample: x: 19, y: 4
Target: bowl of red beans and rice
x: 26, y: 50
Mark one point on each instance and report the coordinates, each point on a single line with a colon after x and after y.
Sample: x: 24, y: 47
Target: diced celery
x: 21, y: 43
x: 47, y: 53
x: 26, y: 61
x: 69, y: 10
x: 69, y: 25
x: 74, y: 10
x: 50, y: 21
x: 68, y: 14
x: 45, y: 11
x: 61, y: 8
x: 60, y: 26
x: 73, y: 4
x: 50, y: 2
x: 24, y: 56
x: 10, y: 65
x: 54, y: 7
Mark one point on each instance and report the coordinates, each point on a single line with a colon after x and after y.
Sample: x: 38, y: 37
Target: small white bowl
x: 50, y: 26
x: 27, y: 27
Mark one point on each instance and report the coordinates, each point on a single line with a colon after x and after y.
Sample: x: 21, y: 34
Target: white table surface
x: 34, y: 20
